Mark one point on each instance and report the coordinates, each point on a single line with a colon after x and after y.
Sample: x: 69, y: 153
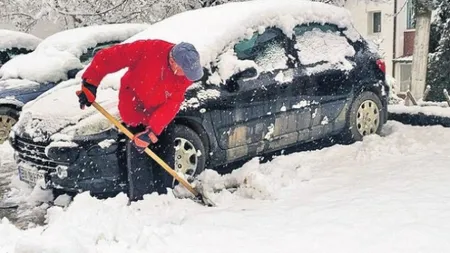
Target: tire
x: 185, y: 139
x: 8, y: 118
x: 365, y: 118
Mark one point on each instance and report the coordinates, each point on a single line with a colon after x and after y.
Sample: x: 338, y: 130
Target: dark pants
x: 144, y: 174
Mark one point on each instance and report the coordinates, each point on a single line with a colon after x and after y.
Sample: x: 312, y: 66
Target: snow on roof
x: 404, y: 59
x: 211, y: 29
x: 10, y: 39
x: 59, y: 53
x: 76, y: 41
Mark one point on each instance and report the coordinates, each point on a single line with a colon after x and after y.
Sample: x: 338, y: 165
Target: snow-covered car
x: 14, y: 43
x: 57, y: 58
x: 277, y: 74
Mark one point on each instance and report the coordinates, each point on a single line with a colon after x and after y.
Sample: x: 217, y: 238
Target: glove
x: 142, y: 140
x: 87, y: 94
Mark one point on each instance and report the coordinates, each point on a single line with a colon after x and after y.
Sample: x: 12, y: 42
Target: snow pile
x: 372, y: 196
x: 427, y: 108
x: 22, y: 193
x: 11, y: 39
x: 61, y: 52
x: 257, y: 181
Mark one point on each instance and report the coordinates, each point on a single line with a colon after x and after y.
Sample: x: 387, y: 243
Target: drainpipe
x: 395, y: 38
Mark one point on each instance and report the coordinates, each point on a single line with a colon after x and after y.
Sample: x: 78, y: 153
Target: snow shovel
x: 198, y: 196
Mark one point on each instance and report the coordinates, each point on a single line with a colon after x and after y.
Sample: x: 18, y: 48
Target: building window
x: 375, y: 22
x: 405, y: 77
x: 410, y: 20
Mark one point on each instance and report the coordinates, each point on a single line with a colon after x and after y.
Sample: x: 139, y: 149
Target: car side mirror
x: 232, y: 83
x: 247, y: 73
x: 72, y: 73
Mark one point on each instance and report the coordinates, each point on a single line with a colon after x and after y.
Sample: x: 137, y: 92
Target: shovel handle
x: 130, y: 135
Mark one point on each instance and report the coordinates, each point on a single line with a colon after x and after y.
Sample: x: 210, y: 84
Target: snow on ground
x: 428, y: 108
x: 385, y: 194
x: 12, y: 190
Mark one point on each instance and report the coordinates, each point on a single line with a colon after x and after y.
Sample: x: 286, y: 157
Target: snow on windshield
x: 61, y: 52
x: 10, y: 39
x: 317, y: 47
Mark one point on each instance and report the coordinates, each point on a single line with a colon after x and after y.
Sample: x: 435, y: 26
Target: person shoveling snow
x: 150, y: 96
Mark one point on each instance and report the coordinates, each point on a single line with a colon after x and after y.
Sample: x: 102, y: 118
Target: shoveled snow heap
x: 59, y: 53
x: 385, y: 194
x: 10, y: 39
x: 440, y: 109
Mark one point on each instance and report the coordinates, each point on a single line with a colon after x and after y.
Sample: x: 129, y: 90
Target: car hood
x: 14, y: 87
x: 56, y: 115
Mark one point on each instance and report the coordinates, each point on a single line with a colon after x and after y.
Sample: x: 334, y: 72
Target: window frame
x: 410, y: 21
x: 257, y: 44
x: 373, y: 25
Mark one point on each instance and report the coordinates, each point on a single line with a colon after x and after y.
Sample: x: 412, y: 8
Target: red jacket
x: 150, y: 93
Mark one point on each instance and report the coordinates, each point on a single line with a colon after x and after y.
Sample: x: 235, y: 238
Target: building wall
x: 42, y: 29
x: 361, y: 13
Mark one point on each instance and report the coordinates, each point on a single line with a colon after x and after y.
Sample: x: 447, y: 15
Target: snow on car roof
x: 60, y: 52
x: 211, y: 29
x: 76, y: 41
x: 10, y: 39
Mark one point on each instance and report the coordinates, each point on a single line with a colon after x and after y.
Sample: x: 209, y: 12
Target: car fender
x: 11, y: 101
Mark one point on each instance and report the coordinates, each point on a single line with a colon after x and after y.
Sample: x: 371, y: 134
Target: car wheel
x: 187, y: 153
x: 365, y: 117
x: 8, y: 118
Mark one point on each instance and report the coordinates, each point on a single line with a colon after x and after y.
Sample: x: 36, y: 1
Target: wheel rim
x: 6, y: 123
x: 368, y: 118
x: 186, y: 159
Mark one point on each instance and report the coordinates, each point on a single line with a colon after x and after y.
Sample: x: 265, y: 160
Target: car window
x: 10, y: 53
x: 318, y: 44
x: 4, y: 57
x: 267, y: 50
x: 301, y: 29
x: 89, y: 55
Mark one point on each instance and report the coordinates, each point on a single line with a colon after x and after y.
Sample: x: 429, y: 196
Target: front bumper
x: 89, y: 167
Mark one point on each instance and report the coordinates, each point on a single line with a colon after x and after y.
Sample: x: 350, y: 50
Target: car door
x: 327, y: 57
x: 245, y: 118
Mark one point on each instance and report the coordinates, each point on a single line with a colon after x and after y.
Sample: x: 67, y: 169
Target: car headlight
x: 97, y: 150
x: 63, y: 154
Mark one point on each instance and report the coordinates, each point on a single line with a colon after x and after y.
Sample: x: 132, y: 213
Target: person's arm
x: 157, y: 121
x: 106, y: 61
x: 165, y: 113
x: 113, y: 59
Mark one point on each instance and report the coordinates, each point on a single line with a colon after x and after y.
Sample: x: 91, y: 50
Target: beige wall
x: 360, y: 11
x: 42, y: 29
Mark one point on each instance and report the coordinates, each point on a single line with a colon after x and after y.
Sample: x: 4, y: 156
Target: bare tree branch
x: 93, y: 14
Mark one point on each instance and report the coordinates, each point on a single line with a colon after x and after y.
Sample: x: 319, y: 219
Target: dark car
x: 280, y: 74
x: 14, y: 43
x: 58, y: 57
